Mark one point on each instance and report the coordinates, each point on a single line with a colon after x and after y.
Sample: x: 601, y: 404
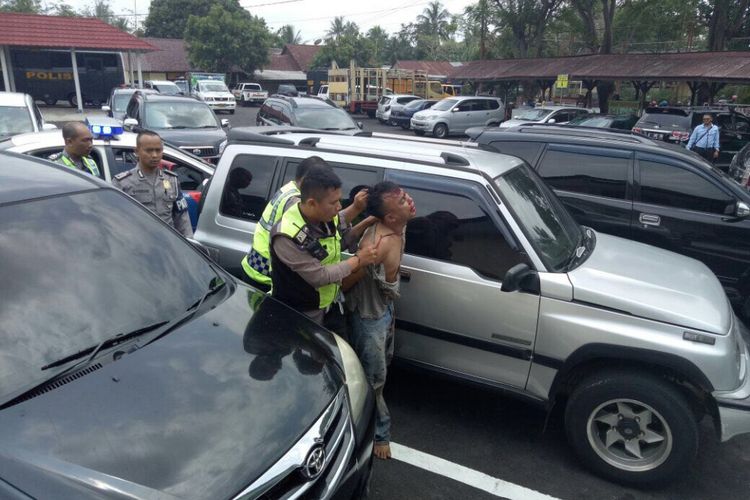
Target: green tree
x: 102, y: 10
x: 657, y: 25
x: 434, y: 27
x: 725, y: 20
x: 378, y: 39
x: 22, y: 6
x: 223, y: 39
x: 337, y: 27
x: 63, y: 9
x: 525, y: 22
x: 288, y: 35
x: 168, y: 18
x: 477, y: 25
x: 347, y: 44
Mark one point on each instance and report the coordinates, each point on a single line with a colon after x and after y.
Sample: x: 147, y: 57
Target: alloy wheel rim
x: 629, y: 435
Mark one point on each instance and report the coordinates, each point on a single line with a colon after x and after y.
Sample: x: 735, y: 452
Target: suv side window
x: 454, y: 224
x: 353, y: 177
x: 491, y: 104
x: 240, y: 199
x: 602, y: 174
x: 466, y: 105
x: 676, y: 187
x: 528, y: 151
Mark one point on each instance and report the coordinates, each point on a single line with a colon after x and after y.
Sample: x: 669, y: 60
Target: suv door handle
x: 405, y: 275
x: 649, y: 219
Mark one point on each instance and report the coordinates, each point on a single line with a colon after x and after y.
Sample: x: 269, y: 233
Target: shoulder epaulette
x: 122, y: 175
x: 169, y: 172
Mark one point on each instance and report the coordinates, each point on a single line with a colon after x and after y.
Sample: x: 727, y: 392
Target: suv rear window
x: 247, y: 186
x: 665, y: 120
x: 593, y: 174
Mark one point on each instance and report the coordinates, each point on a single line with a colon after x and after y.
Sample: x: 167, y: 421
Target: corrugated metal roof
x: 31, y: 30
x: 171, y: 55
x: 714, y: 66
x: 437, y: 69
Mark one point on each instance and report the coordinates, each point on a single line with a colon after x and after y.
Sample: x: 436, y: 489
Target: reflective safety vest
x: 288, y: 286
x: 87, y: 162
x: 257, y: 262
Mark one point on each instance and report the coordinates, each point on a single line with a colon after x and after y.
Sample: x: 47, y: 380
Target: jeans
x: 372, y: 340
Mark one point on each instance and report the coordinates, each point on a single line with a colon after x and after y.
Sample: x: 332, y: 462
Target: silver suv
x: 500, y: 286
x: 452, y: 116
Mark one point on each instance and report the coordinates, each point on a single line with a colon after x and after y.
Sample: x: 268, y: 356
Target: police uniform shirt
x: 159, y: 192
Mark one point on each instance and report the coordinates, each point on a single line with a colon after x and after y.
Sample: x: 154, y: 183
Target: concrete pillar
x: 140, y: 73
x: 11, y: 77
x: 4, y: 63
x: 77, y: 81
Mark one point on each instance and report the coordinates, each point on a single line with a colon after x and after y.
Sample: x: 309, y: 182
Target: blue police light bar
x: 104, y: 127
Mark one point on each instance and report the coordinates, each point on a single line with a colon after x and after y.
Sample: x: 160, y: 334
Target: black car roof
x: 24, y: 177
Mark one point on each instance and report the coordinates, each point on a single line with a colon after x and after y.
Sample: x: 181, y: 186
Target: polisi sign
x: 49, y: 75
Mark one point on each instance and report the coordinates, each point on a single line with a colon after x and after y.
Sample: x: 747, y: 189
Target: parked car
x: 675, y: 125
x: 115, y: 154
x: 452, y: 116
x: 402, y: 116
x: 500, y: 286
x: 288, y: 89
x: 117, y: 104
x: 249, y: 93
x: 147, y: 371
x: 739, y: 169
x: 19, y: 114
x: 644, y: 190
x: 183, y: 85
x: 620, y: 122
x: 216, y: 94
x: 163, y: 87
x: 545, y: 114
x: 306, y: 112
x: 387, y: 103
x: 185, y: 122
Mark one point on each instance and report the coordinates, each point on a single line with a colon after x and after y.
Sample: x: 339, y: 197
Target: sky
x: 312, y: 17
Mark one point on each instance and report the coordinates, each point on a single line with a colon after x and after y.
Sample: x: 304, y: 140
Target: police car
x: 114, y: 152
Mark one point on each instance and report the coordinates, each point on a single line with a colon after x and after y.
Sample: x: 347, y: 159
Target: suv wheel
x: 440, y: 131
x: 630, y: 428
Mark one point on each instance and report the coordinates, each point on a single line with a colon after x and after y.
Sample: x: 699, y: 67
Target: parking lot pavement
x: 504, y: 438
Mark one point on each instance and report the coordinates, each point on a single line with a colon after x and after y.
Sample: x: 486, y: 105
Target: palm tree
x: 479, y: 16
x: 434, y: 22
x: 338, y: 27
x: 288, y: 35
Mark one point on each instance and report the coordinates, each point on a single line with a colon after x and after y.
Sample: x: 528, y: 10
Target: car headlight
x: 356, y: 383
x: 222, y: 146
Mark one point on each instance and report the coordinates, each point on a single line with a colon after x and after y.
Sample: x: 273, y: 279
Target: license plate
x: 654, y: 135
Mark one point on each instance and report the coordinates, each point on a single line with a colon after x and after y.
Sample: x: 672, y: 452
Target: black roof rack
x: 454, y: 159
x: 248, y: 134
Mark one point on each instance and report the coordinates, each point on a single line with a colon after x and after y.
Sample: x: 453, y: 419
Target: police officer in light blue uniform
x: 157, y: 189
x: 78, y: 145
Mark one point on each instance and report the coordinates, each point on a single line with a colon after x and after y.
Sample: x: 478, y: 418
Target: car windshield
x: 182, y: 114
x: 115, y: 269
x: 596, y: 121
x: 213, y: 87
x: 444, y: 105
x: 14, y: 120
x: 252, y: 87
x: 121, y: 102
x: 324, y: 118
x: 546, y: 223
x: 168, y: 88
x: 532, y: 114
x: 665, y: 120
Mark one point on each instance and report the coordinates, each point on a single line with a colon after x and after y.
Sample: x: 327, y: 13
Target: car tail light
x: 680, y: 136
x: 195, y: 195
x: 638, y: 130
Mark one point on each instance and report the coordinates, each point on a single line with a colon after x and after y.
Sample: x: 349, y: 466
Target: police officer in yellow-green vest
x: 78, y: 145
x: 306, y: 245
x: 257, y: 262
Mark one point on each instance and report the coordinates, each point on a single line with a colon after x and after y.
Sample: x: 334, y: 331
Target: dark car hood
x: 200, y: 413
x: 193, y: 137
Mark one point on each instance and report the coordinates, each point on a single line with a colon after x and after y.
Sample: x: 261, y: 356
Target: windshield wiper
x: 92, y: 351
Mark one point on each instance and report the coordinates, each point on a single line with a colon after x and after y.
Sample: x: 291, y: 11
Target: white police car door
x: 452, y: 314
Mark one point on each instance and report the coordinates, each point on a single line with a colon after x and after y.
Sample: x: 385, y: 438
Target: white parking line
x: 475, y: 479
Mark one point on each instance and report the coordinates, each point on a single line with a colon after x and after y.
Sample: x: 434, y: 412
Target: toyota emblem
x: 314, y: 463
x: 196, y: 151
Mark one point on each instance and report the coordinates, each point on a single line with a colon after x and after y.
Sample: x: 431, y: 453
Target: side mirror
x: 130, y: 123
x: 49, y: 126
x: 741, y: 212
x: 224, y: 122
x: 360, y: 125
x: 106, y: 108
x: 551, y: 120
x: 520, y: 277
